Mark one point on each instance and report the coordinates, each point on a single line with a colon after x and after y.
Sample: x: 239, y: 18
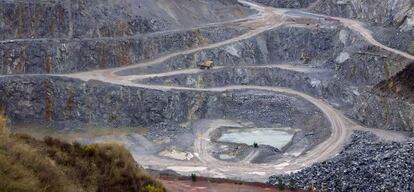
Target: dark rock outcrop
x: 67, y: 103
x: 66, y: 56
x: 104, y: 18
x: 286, y: 3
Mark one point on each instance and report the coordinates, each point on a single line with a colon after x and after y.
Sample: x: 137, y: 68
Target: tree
x: 255, y: 145
x: 280, y: 185
x: 193, y: 177
x: 292, y: 184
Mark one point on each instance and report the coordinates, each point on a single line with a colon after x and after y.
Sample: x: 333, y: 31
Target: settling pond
x: 275, y: 137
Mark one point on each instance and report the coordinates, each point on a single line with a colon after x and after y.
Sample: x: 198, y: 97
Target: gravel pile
x: 366, y: 164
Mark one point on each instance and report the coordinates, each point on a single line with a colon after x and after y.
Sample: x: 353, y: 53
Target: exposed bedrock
x: 389, y: 13
x: 286, y: 3
x: 393, y: 20
x: 67, y: 103
x: 378, y: 111
x: 282, y: 45
x: 400, y: 85
x: 353, y: 59
x: 386, y: 13
x: 106, y: 18
x: 397, y: 16
x: 347, y: 73
x: 390, y: 104
x: 344, y: 61
x: 65, y: 56
x: 313, y: 81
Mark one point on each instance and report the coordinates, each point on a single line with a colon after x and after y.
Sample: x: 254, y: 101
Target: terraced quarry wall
x: 107, y: 18
x: 397, y: 13
x: 286, y: 3
x: 66, y: 56
x: 388, y: 12
x: 343, y: 59
x: 348, y: 64
x: 64, y: 103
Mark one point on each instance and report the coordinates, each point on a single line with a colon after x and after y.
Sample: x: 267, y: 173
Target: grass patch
x: 29, y: 164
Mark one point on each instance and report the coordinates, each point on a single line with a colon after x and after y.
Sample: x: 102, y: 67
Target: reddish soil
x: 209, y: 185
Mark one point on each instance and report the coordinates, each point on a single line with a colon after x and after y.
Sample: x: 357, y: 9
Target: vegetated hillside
x: 401, y: 85
x: 108, y: 18
x: 27, y: 164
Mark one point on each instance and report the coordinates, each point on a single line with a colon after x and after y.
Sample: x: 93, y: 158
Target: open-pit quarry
x: 287, y: 89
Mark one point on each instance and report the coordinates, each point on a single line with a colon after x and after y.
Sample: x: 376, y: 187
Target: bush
x: 292, y: 184
x: 193, y: 177
x: 280, y: 185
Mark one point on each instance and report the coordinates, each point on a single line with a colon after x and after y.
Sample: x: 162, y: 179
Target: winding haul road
x: 266, y: 19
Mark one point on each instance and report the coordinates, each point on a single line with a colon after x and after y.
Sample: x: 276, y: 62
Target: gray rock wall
x: 318, y: 83
x: 286, y: 3
x: 383, y: 112
x: 281, y: 45
x: 108, y: 18
x: 350, y: 60
x: 387, y: 12
x: 66, y: 56
x: 67, y: 103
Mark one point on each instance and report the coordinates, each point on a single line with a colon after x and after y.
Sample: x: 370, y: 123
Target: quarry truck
x: 206, y: 65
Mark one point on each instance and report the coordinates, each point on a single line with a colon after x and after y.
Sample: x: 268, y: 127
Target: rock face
x: 408, y: 24
x: 366, y: 164
x: 387, y: 13
x: 286, y: 3
x: 378, y: 111
x: 342, y: 61
x: 65, y: 36
x: 66, y: 56
x: 392, y: 104
x: 286, y: 44
x: 400, y: 85
x: 67, y: 103
x: 107, y: 18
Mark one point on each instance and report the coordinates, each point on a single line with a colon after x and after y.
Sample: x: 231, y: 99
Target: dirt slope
x: 27, y: 164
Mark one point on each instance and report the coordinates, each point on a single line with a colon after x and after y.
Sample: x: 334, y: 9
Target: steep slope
x: 286, y: 3
x: 387, y: 13
x: 27, y: 164
x: 65, y: 36
x: 108, y: 18
x: 400, y: 85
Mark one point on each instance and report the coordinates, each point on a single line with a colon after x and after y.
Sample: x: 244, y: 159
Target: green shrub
x: 280, y: 185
